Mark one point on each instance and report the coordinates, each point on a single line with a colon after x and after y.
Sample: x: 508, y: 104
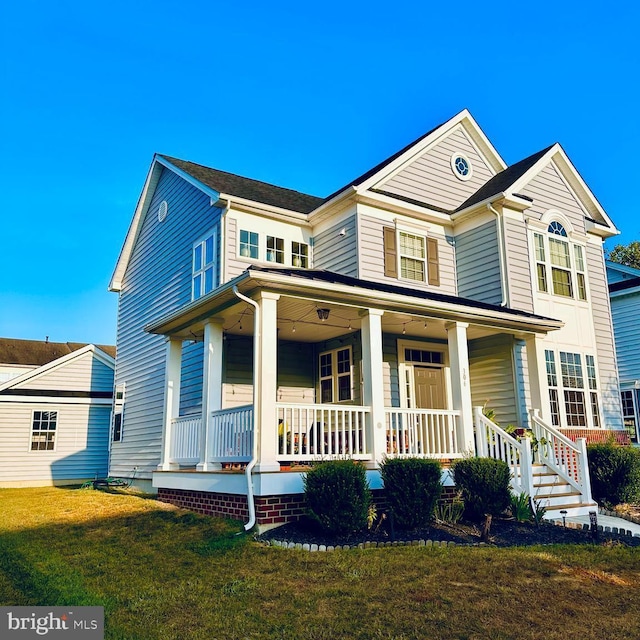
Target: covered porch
x: 299, y: 366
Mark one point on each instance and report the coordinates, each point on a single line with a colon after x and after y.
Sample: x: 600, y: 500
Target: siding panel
x: 518, y: 265
x: 337, y: 253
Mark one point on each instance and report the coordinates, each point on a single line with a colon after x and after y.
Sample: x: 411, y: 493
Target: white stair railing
x: 566, y: 458
x: 494, y: 442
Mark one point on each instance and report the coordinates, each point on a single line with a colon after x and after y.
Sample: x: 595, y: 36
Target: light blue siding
x: 478, y: 264
x: 626, y: 310
x: 336, y: 252
x: 157, y: 281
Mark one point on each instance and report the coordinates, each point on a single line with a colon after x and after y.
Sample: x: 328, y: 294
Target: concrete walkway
x: 609, y: 523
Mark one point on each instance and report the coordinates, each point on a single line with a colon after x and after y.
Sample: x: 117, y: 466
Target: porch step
x: 581, y: 509
x: 556, y: 495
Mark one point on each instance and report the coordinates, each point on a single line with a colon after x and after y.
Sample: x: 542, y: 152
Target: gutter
x: 501, y: 254
x: 256, y: 362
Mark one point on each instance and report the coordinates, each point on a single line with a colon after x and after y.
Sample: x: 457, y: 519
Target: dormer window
x: 563, y: 260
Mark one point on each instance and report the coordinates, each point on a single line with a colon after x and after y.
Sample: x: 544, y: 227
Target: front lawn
x: 163, y: 573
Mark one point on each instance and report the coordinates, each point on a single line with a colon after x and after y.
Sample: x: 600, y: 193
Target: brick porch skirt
x: 270, y: 510
x: 599, y: 436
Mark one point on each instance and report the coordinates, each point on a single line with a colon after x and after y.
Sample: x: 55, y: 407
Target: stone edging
x: 601, y: 529
x: 365, y: 545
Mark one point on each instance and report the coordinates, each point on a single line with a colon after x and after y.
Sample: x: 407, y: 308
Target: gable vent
x: 163, y: 209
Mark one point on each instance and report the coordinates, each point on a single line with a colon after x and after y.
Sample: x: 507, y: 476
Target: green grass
x: 163, y: 573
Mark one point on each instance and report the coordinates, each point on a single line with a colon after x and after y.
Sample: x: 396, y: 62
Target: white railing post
x: 211, y: 388
x: 481, y: 433
x: 586, y: 476
x: 173, y: 362
x: 526, y: 467
x: 373, y: 381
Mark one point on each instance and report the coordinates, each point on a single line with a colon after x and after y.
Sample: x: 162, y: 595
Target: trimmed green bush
x: 484, y: 486
x: 412, y: 487
x: 615, y: 473
x: 337, y: 495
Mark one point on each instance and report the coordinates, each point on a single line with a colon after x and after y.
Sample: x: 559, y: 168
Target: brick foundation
x: 598, y: 436
x: 270, y: 510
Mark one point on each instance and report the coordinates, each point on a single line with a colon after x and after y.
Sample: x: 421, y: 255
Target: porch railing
x: 185, y: 440
x: 231, y: 435
x: 428, y: 433
x: 563, y: 456
x: 494, y: 442
x: 317, y: 431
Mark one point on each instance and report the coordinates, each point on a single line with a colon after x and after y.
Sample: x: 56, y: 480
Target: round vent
x: 162, y: 211
x: 461, y: 166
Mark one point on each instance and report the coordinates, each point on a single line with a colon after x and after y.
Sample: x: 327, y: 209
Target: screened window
x: 43, y: 431
x: 204, y: 258
x: 300, y: 254
x: 413, y: 256
x: 336, y: 376
x: 249, y: 244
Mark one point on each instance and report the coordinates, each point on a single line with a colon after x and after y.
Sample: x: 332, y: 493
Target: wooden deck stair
x: 555, y: 494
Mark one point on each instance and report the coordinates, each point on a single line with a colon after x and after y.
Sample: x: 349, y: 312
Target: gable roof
x: 247, y: 188
x: 40, y: 352
x: 503, y: 181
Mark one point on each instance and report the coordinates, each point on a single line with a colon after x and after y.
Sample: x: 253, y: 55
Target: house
x: 624, y: 293
x: 260, y: 327
x: 55, y: 408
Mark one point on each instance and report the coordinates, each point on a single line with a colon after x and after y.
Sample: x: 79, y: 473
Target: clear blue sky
x: 303, y: 95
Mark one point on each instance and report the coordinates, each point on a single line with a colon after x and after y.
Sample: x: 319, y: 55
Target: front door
x: 429, y: 382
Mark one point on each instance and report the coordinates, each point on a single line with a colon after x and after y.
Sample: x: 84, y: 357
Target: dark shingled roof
x: 248, y: 188
x: 503, y: 180
x: 629, y: 283
x: 39, y: 352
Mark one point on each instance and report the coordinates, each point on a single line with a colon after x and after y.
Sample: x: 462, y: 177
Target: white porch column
x: 461, y: 389
x: 537, y: 368
x: 173, y: 362
x: 373, y: 381
x: 211, y: 387
x: 265, y: 377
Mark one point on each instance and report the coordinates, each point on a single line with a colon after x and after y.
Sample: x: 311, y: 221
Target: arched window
x: 563, y: 260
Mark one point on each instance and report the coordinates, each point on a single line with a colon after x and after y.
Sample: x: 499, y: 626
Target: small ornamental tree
x: 338, y: 496
x: 412, y: 487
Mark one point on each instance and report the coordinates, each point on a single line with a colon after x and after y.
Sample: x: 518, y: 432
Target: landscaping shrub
x: 338, y: 496
x: 484, y: 486
x: 412, y: 487
x: 615, y: 473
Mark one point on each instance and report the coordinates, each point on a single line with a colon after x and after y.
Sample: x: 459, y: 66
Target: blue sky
x: 303, y: 95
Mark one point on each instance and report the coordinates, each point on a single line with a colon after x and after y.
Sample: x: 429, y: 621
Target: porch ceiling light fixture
x: 323, y: 314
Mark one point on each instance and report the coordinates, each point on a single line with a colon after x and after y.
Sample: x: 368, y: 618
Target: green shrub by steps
x: 615, y: 473
x: 412, y: 487
x: 484, y: 486
x: 338, y: 496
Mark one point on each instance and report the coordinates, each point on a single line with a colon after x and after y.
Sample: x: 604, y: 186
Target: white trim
x: 60, y: 362
x: 103, y: 402
x: 406, y: 368
x: 335, y: 375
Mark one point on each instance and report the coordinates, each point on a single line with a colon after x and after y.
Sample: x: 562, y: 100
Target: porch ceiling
x: 410, y: 314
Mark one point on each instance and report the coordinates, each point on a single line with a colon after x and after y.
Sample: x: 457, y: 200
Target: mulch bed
x: 504, y: 533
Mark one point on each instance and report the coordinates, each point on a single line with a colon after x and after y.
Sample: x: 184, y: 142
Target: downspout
x: 501, y: 255
x: 254, y: 453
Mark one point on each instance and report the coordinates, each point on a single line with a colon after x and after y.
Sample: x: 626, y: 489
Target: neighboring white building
x: 624, y: 291
x: 265, y: 327
x: 55, y: 408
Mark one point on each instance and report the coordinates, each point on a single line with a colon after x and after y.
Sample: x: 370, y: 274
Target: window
x: 562, y: 260
x: 413, y: 256
x: 336, y: 376
x: 300, y: 254
x: 629, y: 414
x: 275, y: 249
x: 423, y: 357
x: 571, y: 405
x: 461, y: 166
x: 249, y: 244
x: 204, y: 254
x: 118, y: 411
x: 43, y: 431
